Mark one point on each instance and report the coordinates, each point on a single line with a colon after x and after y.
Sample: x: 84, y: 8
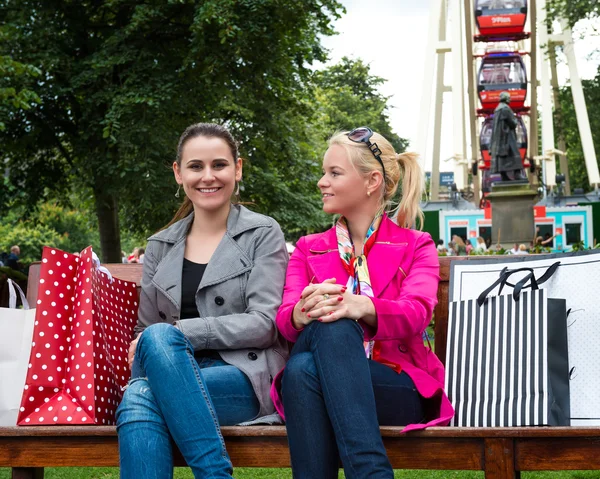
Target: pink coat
x: 404, y: 271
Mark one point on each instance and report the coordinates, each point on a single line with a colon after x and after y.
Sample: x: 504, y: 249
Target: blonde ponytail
x: 408, y: 211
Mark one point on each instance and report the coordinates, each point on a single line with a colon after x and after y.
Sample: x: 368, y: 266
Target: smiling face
x: 343, y: 189
x: 208, y: 172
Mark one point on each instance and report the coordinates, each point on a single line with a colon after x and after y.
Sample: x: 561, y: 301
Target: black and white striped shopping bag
x: 506, y: 361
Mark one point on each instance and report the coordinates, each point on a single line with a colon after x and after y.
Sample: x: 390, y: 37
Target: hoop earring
x: 177, y: 193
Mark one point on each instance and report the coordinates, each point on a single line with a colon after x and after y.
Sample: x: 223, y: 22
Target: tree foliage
x: 11, y: 73
x: 119, y: 81
x: 577, y: 168
x: 347, y: 96
x: 573, y: 10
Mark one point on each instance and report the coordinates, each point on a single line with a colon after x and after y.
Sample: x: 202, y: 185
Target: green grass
x: 248, y: 473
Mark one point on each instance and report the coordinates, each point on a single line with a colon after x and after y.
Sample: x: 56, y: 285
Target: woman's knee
x: 138, y: 404
x: 339, y: 331
x: 299, y: 370
x: 160, y: 334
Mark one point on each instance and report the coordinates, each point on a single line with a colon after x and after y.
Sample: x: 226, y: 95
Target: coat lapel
x: 386, y: 255
x: 167, y: 278
x: 324, y: 259
x: 228, y: 261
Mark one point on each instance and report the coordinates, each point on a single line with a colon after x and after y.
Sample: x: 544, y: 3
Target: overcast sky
x: 391, y: 35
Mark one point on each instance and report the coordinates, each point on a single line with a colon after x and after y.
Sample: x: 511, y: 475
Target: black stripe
x: 492, y: 366
x: 483, y: 366
x: 460, y: 323
x: 517, y: 365
x: 476, y: 369
x: 525, y: 421
x: 543, y: 346
x: 534, y: 321
x: 466, y: 365
x: 501, y: 360
x: 509, y: 355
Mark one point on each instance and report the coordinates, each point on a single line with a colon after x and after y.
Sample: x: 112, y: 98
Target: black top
x: 190, y: 280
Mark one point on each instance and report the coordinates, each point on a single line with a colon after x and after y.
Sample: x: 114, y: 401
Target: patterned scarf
x: 356, y: 266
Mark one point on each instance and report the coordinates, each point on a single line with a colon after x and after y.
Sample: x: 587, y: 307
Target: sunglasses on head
x: 363, y: 134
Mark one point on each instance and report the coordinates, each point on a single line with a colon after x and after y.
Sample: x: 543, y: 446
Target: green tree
x: 347, y: 95
x: 577, y: 168
x: 11, y: 73
x: 120, y: 80
x: 573, y: 10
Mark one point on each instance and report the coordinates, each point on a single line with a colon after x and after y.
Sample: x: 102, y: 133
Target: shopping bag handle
x: 534, y: 282
x: 12, y: 295
x: 506, y: 273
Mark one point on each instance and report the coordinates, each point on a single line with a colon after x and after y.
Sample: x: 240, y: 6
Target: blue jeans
x: 173, y: 396
x: 334, y: 400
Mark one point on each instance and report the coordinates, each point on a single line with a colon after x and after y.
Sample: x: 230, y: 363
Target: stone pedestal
x: 512, y: 213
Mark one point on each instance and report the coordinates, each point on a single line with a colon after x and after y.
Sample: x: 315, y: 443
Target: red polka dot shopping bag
x: 83, y: 326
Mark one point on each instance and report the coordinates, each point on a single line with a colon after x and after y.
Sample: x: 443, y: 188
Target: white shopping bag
x: 576, y: 280
x: 16, y: 330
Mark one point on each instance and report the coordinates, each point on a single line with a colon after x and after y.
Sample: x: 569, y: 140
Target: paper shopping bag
x: 83, y: 326
x: 16, y: 326
x: 507, y: 358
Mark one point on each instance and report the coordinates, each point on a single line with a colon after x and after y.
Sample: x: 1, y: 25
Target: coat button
x: 220, y: 301
x: 252, y: 356
x: 162, y: 315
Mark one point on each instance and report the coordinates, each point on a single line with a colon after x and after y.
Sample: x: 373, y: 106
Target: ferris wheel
x: 496, y: 46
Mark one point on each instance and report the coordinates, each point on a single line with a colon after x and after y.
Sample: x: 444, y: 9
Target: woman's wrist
x: 368, y: 313
x: 296, y: 321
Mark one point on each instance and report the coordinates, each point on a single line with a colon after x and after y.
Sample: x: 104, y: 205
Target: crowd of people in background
x: 137, y: 256
x: 459, y: 246
x: 11, y: 260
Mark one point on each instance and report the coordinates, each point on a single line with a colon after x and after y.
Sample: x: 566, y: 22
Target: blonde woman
x: 356, y: 301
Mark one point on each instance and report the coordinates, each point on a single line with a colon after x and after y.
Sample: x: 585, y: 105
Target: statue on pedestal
x: 504, y: 149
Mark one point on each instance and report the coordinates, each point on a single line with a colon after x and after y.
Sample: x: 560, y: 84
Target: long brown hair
x: 208, y: 130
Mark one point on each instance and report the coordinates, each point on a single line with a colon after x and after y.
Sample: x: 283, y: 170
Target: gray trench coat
x: 237, y: 298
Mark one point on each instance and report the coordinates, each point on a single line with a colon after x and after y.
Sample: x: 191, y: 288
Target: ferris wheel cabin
x: 499, y: 18
x: 502, y: 72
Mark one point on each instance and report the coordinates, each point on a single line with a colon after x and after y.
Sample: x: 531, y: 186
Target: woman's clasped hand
x: 327, y: 302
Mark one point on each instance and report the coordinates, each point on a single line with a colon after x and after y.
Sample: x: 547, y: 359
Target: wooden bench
x: 500, y: 452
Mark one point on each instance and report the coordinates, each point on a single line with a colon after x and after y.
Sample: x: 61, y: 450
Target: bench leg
x: 27, y: 473
x: 500, y: 459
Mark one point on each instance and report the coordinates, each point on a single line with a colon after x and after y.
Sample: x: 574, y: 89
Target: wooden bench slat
x: 556, y: 453
x: 279, y: 431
